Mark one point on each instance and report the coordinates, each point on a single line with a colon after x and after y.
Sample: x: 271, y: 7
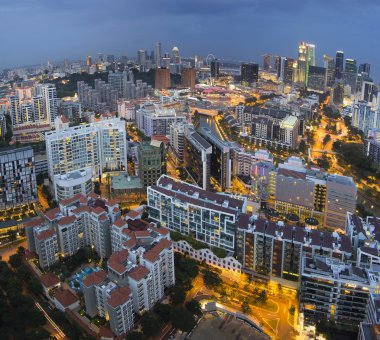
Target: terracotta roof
x: 93, y: 196
x: 153, y: 254
x: 369, y: 250
x: 49, y: 280
x: 83, y: 208
x: 45, y: 234
x: 161, y: 230
x: 117, y: 261
x: 111, y: 203
x: 103, y: 217
x: 115, y: 210
x: 105, y: 332
x: 138, y: 273
x: 292, y: 173
x: 142, y: 233
x: 243, y: 221
x: 98, y: 210
x: 67, y: 220
x: 34, y: 222
x: 133, y: 214
x: 52, y: 213
x: 120, y: 223
x: 65, y: 297
x: 119, y: 296
x: 76, y: 198
x: 95, y: 278
x: 130, y: 243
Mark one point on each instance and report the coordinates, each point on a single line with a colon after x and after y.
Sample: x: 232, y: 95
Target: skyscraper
x: 249, y: 72
x: 328, y: 63
x: 141, y: 57
x: 351, y: 74
x: 188, y: 78
x: 365, y: 68
x: 266, y: 62
x: 214, y: 69
x: 316, y: 79
x: 176, y: 56
x: 288, y: 74
x: 88, y: 60
x: 339, y: 63
x: 49, y: 94
x: 158, y: 55
x: 306, y: 58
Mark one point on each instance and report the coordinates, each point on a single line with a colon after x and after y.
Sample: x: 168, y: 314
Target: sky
x: 35, y: 31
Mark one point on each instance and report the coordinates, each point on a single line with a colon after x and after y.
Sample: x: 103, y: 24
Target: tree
x: 302, y: 146
x: 35, y: 286
x: 15, y: 260
x: 151, y: 324
x: 21, y: 251
x: 182, y: 319
x: 194, y: 307
x: 326, y: 139
x: 263, y: 298
x: 97, y: 188
x: 163, y: 311
x: 134, y: 336
x: 245, y: 308
x: 211, y: 279
x: 292, y: 310
x: 177, y: 295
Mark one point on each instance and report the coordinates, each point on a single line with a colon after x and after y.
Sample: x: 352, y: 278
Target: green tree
x: 211, y: 279
x: 302, y: 146
x: 15, y: 260
x: 182, y: 319
x: 163, y: 311
x: 151, y: 324
x: 194, y: 307
x: 292, y: 310
x: 245, y: 308
x: 177, y: 295
x: 326, y: 139
x: 21, y: 251
x: 134, y: 336
x: 35, y: 286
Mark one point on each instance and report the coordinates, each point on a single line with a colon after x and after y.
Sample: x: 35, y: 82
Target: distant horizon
x: 42, y: 30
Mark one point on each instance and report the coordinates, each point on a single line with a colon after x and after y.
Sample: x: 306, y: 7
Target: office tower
x: 266, y: 62
x: 110, y: 58
x: 306, y: 58
x: 141, y: 57
x: 176, y: 56
x: 339, y: 64
x: 328, y: 63
x: 317, y: 79
x: 88, y: 60
x: 162, y: 79
x: 288, y: 74
x: 365, y: 68
x: 197, y: 157
x: 177, y: 139
x: 249, y: 73
x: 365, y: 118
x: 338, y: 93
x: 49, y: 94
x: 280, y: 65
x: 101, y: 146
x: 17, y: 178
x: 158, y: 55
x: 351, y: 74
x: 206, y: 216
x: 155, y: 119
x: 166, y: 61
x: 152, y: 162
x: 15, y: 110
x: 188, y: 78
x: 124, y: 60
x: 221, y: 163
x: 276, y: 249
x: 214, y: 69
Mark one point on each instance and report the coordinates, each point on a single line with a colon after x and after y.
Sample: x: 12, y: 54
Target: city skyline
x: 199, y: 28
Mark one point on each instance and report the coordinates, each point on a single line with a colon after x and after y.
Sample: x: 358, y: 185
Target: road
x: 7, y: 251
x: 52, y: 327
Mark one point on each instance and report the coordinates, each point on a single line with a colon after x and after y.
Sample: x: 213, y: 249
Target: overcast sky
x: 35, y: 31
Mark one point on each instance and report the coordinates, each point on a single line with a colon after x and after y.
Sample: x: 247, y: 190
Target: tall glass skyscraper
x: 339, y: 62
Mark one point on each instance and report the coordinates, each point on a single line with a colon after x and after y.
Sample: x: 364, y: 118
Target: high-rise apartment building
x: 101, y: 146
x: 17, y: 177
x: 188, y: 209
x: 49, y: 95
x: 152, y: 162
x: 177, y: 139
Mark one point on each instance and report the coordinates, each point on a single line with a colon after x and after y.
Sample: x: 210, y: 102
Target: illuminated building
x: 249, y: 73
x: 266, y: 62
x: 351, y: 74
x: 365, y: 68
x: 176, y: 56
x: 100, y: 145
x: 162, y: 79
x: 275, y: 249
x: 334, y: 290
x: 364, y: 117
x: 339, y: 64
x: 372, y: 150
x: 88, y: 60
x: 214, y: 69
x: 317, y: 79
x: 206, y: 216
x: 306, y: 58
x: 17, y: 178
x: 177, y: 139
x: 288, y: 74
